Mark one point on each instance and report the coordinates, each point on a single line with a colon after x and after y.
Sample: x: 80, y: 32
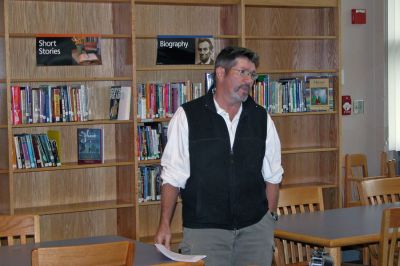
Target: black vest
x: 226, y: 188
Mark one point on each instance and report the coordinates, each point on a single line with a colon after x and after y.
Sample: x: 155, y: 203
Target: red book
x: 16, y: 105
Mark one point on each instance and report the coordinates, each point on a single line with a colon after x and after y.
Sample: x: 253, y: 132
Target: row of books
x: 36, y: 151
x: 49, y: 104
x: 294, y: 94
x: 149, y: 183
x: 160, y: 100
x: 151, y: 140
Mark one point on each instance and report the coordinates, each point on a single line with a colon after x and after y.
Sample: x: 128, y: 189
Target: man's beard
x: 244, y: 97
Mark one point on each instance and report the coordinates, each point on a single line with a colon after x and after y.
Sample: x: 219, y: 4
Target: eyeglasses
x: 245, y: 73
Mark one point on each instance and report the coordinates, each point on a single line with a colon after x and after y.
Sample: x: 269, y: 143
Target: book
x: 17, y: 148
x: 55, y: 144
x: 90, y: 145
x: 209, y: 81
x: 319, y: 93
x: 16, y: 105
x: 115, y: 96
x: 124, y: 108
x: 88, y: 58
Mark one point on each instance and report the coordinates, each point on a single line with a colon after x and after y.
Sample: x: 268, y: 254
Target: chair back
x: 300, y: 199
x: 388, y: 167
x: 17, y: 228
x: 296, y: 200
x: 379, y: 191
x: 356, y: 169
x: 110, y: 254
x: 390, y: 233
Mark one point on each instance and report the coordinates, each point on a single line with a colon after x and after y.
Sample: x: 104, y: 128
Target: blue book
x: 90, y: 145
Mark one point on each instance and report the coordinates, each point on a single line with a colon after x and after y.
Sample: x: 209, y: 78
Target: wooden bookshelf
x: 73, y: 200
x: 294, y: 38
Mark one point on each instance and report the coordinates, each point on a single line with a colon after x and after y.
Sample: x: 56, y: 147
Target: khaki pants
x: 252, y: 245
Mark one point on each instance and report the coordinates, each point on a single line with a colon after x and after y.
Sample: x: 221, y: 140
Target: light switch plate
x: 358, y: 107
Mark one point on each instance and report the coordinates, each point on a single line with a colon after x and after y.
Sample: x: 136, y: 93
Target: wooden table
x: 334, y: 229
x: 145, y: 254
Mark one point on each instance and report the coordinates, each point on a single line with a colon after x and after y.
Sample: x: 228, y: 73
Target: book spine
x: 32, y: 156
x: 25, y: 151
x: 17, y: 152
x: 16, y: 105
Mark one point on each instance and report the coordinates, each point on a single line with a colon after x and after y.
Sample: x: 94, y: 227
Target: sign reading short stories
x: 62, y: 50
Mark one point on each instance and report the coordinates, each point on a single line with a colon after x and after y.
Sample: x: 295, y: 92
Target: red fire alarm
x: 358, y: 16
x: 346, y: 105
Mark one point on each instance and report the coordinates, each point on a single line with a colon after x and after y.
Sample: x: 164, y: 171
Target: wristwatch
x: 274, y: 216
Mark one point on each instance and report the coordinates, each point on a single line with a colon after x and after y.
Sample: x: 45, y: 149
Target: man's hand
x: 163, y: 236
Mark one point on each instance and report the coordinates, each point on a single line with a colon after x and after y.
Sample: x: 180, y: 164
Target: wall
x: 363, y: 62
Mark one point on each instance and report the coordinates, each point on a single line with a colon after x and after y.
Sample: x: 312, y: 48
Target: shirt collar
x: 222, y: 112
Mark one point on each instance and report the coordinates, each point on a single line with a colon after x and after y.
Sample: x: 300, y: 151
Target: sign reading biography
x: 184, y: 50
x: 67, y: 50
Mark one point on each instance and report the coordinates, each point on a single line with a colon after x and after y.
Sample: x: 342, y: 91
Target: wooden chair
x: 388, y: 167
x: 390, y: 233
x: 110, y: 254
x: 379, y: 191
x: 355, y: 170
x: 16, y: 228
x: 296, y: 200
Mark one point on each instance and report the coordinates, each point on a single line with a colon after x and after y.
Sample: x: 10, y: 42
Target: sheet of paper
x: 178, y: 257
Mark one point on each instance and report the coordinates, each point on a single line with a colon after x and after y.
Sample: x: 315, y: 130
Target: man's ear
x: 220, y: 72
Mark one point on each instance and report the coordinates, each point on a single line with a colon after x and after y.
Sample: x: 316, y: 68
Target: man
x: 224, y: 157
x: 206, y: 50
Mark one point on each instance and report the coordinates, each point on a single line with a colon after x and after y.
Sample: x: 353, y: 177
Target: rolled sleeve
x: 272, y: 170
x: 175, y: 159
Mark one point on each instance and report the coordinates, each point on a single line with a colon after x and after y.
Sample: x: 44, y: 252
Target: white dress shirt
x: 175, y: 159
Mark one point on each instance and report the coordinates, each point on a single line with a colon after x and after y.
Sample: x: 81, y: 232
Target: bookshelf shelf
x: 154, y: 36
x: 189, y: 2
x: 3, y: 171
x: 74, y: 207
x: 175, y: 68
x: 291, y: 38
x: 103, y: 36
x: 148, y: 162
x: 321, y: 184
x: 297, y: 71
x: 81, y: 1
x: 156, y: 120
x: 303, y: 114
x: 292, y: 3
x: 175, y: 239
x: 308, y: 150
x: 154, y: 202
x: 70, y: 166
x: 68, y: 79
x: 71, y: 124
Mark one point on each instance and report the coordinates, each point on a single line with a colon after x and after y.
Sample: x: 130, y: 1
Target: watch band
x: 275, y: 216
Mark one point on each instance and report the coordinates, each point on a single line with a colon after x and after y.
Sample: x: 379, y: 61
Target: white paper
x: 178, y: 257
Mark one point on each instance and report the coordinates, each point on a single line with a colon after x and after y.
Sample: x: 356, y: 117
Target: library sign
x: 67, y: 50
x: 185, y: 50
